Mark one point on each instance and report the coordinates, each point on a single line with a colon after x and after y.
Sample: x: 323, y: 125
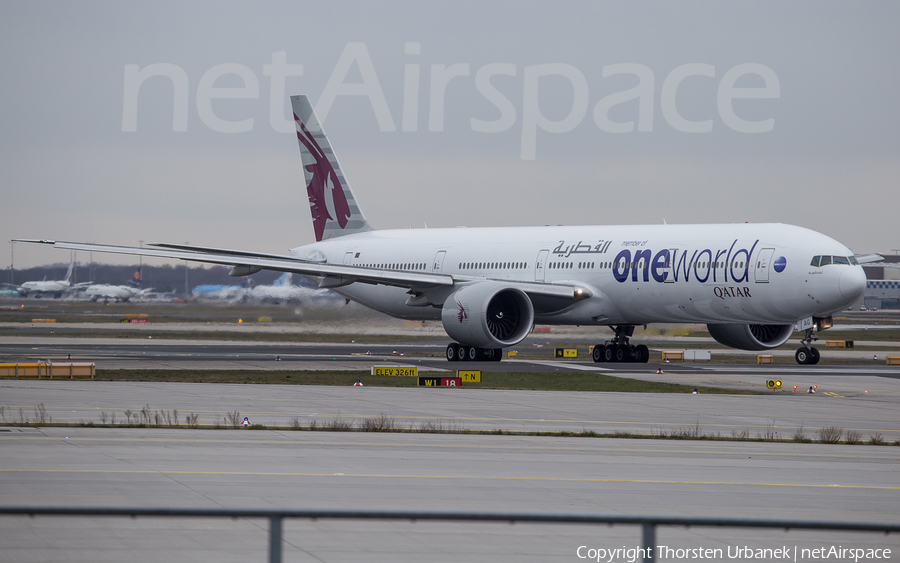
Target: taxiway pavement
x: 246, y: 468
x: 868, y: 377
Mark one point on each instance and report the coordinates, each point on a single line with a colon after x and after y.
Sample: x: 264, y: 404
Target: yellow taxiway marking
x: 830, y: 394
x: 461, y: 477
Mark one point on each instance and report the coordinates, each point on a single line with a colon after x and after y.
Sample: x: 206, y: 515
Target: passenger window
x: 826, y: 260
x: 841, y: 260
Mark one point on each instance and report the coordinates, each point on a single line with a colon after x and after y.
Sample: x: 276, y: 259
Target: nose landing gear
x: 807, y: 354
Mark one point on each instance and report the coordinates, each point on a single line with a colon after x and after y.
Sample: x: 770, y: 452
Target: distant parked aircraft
x: 48, y: 287
x: 229, y: 293
x: 282, y: 291
x: 123, y: 293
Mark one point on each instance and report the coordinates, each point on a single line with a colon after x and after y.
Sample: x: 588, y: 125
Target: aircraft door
x: 669, y: 272
x: 438, y: 261
x: 348, y: 258
x: 763, y: 264
x: 540, y: 265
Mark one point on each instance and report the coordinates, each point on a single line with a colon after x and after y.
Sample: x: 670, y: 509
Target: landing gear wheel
x: 498, y: 354
x: 609, y: 354
x: 631, y: 354
x: 453, y: 352
x: 621, y: 353
x: 473, y: 353
x: 807, y: 354
x: 462, y: 352
x: 643, y: 354
x: 597, y: 353
x: 814, y: 359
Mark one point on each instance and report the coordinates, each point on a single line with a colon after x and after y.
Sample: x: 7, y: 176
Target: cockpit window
x: 819, y: 261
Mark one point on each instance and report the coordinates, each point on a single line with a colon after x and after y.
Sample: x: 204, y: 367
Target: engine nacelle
x: 488, y: 315
x: 751, y: 337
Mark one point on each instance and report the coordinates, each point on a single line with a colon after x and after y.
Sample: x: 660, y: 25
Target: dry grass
x: 381, y: 423
x: 830, y: 435
x: 854, y: 437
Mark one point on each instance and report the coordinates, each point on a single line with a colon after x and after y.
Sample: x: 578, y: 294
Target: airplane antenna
x: 426, y: 224
x: 664, y: 221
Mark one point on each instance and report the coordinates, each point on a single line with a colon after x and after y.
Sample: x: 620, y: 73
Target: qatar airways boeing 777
x: 753, y: 285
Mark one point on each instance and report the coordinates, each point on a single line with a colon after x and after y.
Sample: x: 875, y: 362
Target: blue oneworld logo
x: 780, y: 264
x: 731, y: 264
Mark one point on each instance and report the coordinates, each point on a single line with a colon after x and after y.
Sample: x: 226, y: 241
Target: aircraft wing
x: 333, y: 275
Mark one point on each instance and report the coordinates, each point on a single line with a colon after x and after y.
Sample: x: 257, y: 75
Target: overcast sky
x: 513, y: 122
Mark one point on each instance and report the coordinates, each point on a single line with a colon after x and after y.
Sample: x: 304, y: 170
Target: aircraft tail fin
x: 68, y: 277
x: 334, y: 209
x: 136, y: 280
x: 283, y: 280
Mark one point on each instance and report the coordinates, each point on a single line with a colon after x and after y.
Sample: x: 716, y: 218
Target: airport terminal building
x: 883, y: 285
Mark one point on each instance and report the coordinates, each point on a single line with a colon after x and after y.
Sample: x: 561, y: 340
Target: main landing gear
x: 807, y: 354
x: 619, y: 350
x: 462, y: 353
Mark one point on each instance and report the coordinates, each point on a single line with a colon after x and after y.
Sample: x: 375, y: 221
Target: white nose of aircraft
x: 852, y: 283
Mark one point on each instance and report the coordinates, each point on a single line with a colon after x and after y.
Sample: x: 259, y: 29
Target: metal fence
x: 276, y: 517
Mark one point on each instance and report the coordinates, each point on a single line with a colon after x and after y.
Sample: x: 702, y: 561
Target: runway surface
x: 244, y: 468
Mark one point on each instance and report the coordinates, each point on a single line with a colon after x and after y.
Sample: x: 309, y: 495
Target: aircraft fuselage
x: 728, y: 273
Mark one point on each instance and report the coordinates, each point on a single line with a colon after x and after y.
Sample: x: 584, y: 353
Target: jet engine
x: 488, y: 315
x: 751, y: 337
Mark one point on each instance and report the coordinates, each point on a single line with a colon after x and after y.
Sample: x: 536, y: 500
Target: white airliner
x: 281, y: 291
x: 117, y: 293
x: 752, y: 284
x: 56, y: 288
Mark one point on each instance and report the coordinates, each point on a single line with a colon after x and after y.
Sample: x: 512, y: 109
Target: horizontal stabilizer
x: 868, y: 258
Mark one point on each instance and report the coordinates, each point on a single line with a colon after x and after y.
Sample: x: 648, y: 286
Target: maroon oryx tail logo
x: 326, y: 194
x: 462, y: 315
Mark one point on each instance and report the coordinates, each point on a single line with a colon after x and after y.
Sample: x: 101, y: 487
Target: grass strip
x: 556, y: 381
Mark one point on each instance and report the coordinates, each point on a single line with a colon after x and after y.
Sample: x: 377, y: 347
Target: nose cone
x: 853, y: 283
